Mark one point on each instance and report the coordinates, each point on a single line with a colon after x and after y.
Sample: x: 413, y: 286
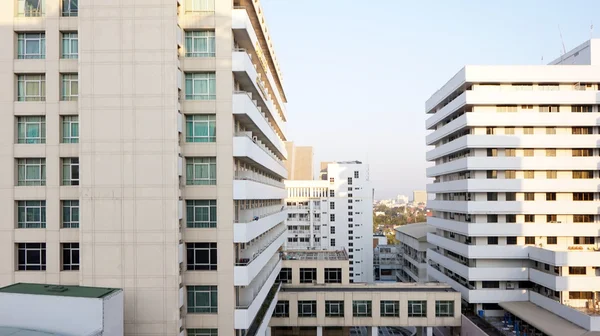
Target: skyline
x: 403, y: 88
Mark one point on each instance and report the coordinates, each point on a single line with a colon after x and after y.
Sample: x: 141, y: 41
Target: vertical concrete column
x: 319, y: 331
x: 428, y: 331
x: 374, y: 331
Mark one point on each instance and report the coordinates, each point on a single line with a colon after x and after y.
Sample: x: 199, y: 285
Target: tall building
x: 334, y: 214
x: 162, y: 173
x: 299, y: 162
x: 516, y: 187
x: 413, y: 247
x: 419, y: 196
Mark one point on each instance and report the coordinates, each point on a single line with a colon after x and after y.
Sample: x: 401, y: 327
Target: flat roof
x: 315, y: 255
x: 11, y: 331
x: 58, y: 290
x: 544, y: 320
x: 417, y: 230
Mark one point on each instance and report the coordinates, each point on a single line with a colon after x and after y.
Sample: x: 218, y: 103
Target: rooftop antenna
x: 591, y: 30
x: 564, y: 50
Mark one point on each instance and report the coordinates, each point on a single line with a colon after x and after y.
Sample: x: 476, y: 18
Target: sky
x: 357, y: 73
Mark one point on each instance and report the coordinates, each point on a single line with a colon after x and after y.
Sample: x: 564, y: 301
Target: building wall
x: 299, y: 163
x: 320, y: 265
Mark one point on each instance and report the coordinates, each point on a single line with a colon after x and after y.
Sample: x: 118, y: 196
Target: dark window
x: 31, y: 256
x: 334, y: 308
x: 349, y: 180
x: 307, y: 308
x: 577, y: 270
x: 356, y: 174
x: 511, y: 240
x: 492, y: 218
x: 389, y: 308
x: 551, y: 218
x: 492, y: 174
x: 331, y: 193
x: 203, y: 257
x: 581, y: 295
x: 70, y: 256
x: 285, y: 275
x: 551, y: 196
x: 282, y: 309
x: 583, y: 218
x: 551, y: 240
x: 583, y: 240
x: 333, y: 275
x: 361, y: 308
x: 417, y: 308
x: 492, y: 240
x: 511, y: 218
x: 583, y: 196
x: 490, y: 284
x: 529, y: 218
x: 444, y: 308
x: 308, y: 275
x: 332, y: 205
x: 529, y: 240
x: 511, y: 196
x: 529, y: 196
x: 492, y: 196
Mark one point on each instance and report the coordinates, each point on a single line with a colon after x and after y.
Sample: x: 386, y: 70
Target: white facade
x: 333, y: 214
x: 386, y: 262
x: 413, y: 245
x: 516, y: 184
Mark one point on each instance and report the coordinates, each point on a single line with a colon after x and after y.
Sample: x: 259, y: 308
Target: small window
x: 70, y: 256
x: 510, y: 152
x: 511, y: 240
x: 70, y: 8
x: 333, y: 275
x: 200, y: 128
x: 331, y: 180
x: 201, y: 171
x: 70, y: 45
x: 417, y: 308
x: 361, y: 308
x: 444, y: 308
x: 334, y: 308
x: 551, y: 218
x: 577, y: 270
x: 551, y: 174
x: 282, y: 309
x: 200, y: 86
x: 31, y: 46
x: 202, y: 299
x: 200, y: 6
x: 551, y: 240
x: 70, y: 87
x: 527, y: 130
x: 492, y: 218
x: 31, y: 8
x: 356, y: 174
x: 511, y: 196
x: 509, y: 130
x: 529, y: 174
x: 332, y: 193
x: 492, y: 196
x: 202, y: 256
x: 31, y: 256
x: 550, y: 152
x: 201, y: 214
x: 490, y: 284
x: 332, y: 217
x: 31, y: 130
x: 200, y: 43
x: 490, y: 130
x: 583, y: 196
x: 285, y: 275
x: 389, y: 308
x: 70, y: 214
x: 307, y: 308
x: 31, y: 87
x: 550, y: 130
x: 529, y: 240
x: 332, y: 242
x: 492, y: 152
x: 529, y: 196
x: 31, y: 172
x: 308, y: 275
x: 332, y: 230
x: 332, y: 205
x: 202, y: 332
x: 583, y: 218
x: 492, y: 174
x: 529, y: 218
x: 528, y: 152
x: 349, y: 180
x: 492, y: 240
x: 551, y: 196
x: 70, y: 129
x: 583, y: 174
x: 70, y: 171
x: 584, y: 240
x: 31, y: 214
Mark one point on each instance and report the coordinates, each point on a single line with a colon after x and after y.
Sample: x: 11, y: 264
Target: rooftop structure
x: 315, y: 255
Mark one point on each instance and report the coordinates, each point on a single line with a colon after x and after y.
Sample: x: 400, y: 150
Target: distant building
x: 419, y: 196
x: 413, y: 244
x: 299, y: 163
x: 379, y: 213
x: 386, y: 261
x: 402, y: 199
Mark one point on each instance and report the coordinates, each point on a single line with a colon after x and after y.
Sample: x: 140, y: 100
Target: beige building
x: 419, y: 196
x: 299, y: 163
x: 162, y: 173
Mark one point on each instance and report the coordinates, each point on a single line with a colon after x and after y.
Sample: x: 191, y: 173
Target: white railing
x: 253, y: 176
x: 249, y: 94
x: 249, y: 215
x: 247, y: 260
x: 260, y: 145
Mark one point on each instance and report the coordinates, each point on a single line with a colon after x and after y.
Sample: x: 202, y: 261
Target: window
x: 201, y: 171
x: 550, y: 152
x: 332, y: 217
x: 529, y: 174
x: 510, y: 152
x: 582, y: 130
x: 332, y: 230
x: 201, y: 214
x: 282, y: 309
x: 31, y: 46
x: 583, y: 218
x: 551, y: 109
x: 349, y: 195
x: 308, y: 275
x: 583, y: 174
x: 583, y: 196
x: 551, y: 196
x: 334, y: 308
x: 200, y: 43
x: 349, y: 180
x: 70, y: 129
x: 506, y: 108
x: 529, y: 196
x: 490, y: 284
x: 70, y: 214
x: 492, y: 196
x: 551, y: 240
x: 511, y: 196
x: 577, y: 270
x: 389, y: 308
x: 200, y: 86
x: 70, y: 87
x: 528, y: 152
x: 581, y: 108
x: 200, y: 128
x: 529, y: 218
x: 31, y: 87
x: 527, y: 130
x: 444, y: 308
x: 199, y: 5
x: 417, y: 308
x: 31, y: 172
x: 332, y: 205
x: 551, y: 174
x: 331, y: 180
x: 356, y: 174
x: 511, y: 218
x: 70, y: 256
x: 201, y: 256
x: 550, y: 130
x: 492, y: 174
x: 31, y: 214
x: 361, y: 308
x: 31, y: 256
x: 492, y: 218
x: 492, y: 152
x: 583, y: 240
x: 333, y: 275
x: 582, y: 152
x: 511, y: 240
x: 31, y: 130
x: 509, y: 130
x: 332, y: 241
x: 551, y: 218
x: 70, y: 45
x: 490, y: 130
x: 202, y: 332
x: 307, y: 308
x: 70, y: 171
x: 202, y: 299
x: 331, y: 193
x: 285, y: 275
x: 529, y: 240
x: 31, y: 8
x: 581, y: 295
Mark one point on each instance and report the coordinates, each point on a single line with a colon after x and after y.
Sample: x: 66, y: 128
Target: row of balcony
x: 516, y: 207
x: 245, y: 146
x: 517, y: 185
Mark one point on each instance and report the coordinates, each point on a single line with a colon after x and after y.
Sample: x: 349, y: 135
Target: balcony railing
x: 253, y: 176
x: 249, y: 94
x: 250, y: 215
x: 263, y: 310
x: 261, y: 146
x: 247, y: 261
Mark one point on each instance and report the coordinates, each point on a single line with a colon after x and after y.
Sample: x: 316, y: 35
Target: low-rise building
x: 386, y: 262
x: 414, y: 245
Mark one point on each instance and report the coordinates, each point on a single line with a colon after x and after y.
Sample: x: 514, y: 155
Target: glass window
x: 511, y: 240
x: 307, y: 308
x: 509, y: 152
x: 199, y: 5
x: 529, y: 196
x: 200, y: 86
x: 361, y: 308
x: 529, y: 240
x: 333, y: 275
x: 529, y: 218
x: 581, y: 108
x: 527, y: 130
x: 31, y: 256
x: 31, y: 87
x: 201, y: 214
x: 31, y: 46
x: 70, y: 8
x: 70, y: 171
x: 551, y: 218
x: 334, y: 308
x: 282, y: 309
x: 389, y: 308
x: 200, y: 128
x: 550, y: 130
x: 201, y: 256
x: 31, y: 8
x: 583, y: 218
x: 202, y: 332
x: 202, y: 299
x: 583, y: 196
x: 551, y: 196
x: 308, y: 275
x: 31, y: 130
x: 201, y: 171
x: 70, y: 214
x: 492, y: 174
x: 31, y: 214
x: 70, y: 129
x: 584, y: 240
x: 551, y: 174
x: 417, y: 308
x: 490, y: 284
x: 31, y: 172
x: 444, y: 308
x: 332, y: 205
x: 528, y: 152
x: 511, y: 196
x: 577, y: 270
x: 529, y: 174
x: 583, y: 174
x: 200, y: 43
x: 70, y: 256
x: 285, y: 275
x: 492, y: 240
x: 550, y: 152
x: 551, y: 240
x: 70, y: 87
x: 70, y: 45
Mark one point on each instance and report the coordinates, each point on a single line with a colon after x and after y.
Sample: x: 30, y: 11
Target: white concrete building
x: 413, y: 247
x: 516, y: 181
x: 147, y: 157
x: 386, y: 262
x: 333, y: 214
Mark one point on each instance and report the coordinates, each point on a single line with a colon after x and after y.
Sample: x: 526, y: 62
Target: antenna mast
x: 562, y: 41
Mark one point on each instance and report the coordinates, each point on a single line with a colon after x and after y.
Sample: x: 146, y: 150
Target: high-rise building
x: 299, y: 162
x: 334, y: 214
x: 162, y: 173
x: 419, y: 197
x: 516, y: 187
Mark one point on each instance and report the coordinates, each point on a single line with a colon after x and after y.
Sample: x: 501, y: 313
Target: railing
x: 250, y: 215
x: 261, y: 146
x: 248, y: 261
x: 249, y: 94
x: 298, y: 219
x: 252, y: 176
x: 263, y: 310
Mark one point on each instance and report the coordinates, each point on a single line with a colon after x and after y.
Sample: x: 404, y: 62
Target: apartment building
x: 516, y: 209
x: 162, y: 173
x: 386, y: 262
x: 413, y: 247
x: 334, y: 214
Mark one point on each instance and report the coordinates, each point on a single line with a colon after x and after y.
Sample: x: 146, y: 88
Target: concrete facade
x: 413, y: 245
x: 299, y: 163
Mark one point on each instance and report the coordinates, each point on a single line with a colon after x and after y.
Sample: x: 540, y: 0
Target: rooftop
x: 418, y: 230
x: 315, y: 255
x: 57, y: 290
x: 10, y: 331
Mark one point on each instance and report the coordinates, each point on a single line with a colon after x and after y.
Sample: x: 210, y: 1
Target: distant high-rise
x: 419, y: 197
x: 299, y: 162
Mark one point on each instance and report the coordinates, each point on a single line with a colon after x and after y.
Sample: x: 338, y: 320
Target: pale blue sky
x: 357, y: 73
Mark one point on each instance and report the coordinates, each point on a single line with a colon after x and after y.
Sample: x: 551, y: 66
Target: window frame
x: 362, y: 308
x: 193, y: 163
x: 70, y: 45
x: 22, y: 42
x: 23, y: 81
x: 441, y: 305
x: 199, y: 6
x: 69, y: 8
x: 70, y: 256
x: 24, y: 249
x: 69, y: 87
x: 70, y: 209
x: 282, y: 309
x: 333, y: 275
x: 70, y: 171
x: 193, y: 79
x: 207, y: 208
x: 304, y: 272
x: 302, y: 304
x: 70, y: 125
x: 23, y: 171
x: 413, y: 311
x: 198, y: 39
x: 24, y: 216
x: 23, y: 127
x: 207, y: 121
x: 385, y: 304
x: 196, y: 252
x: 329, y: 304
x: 212, y: 294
